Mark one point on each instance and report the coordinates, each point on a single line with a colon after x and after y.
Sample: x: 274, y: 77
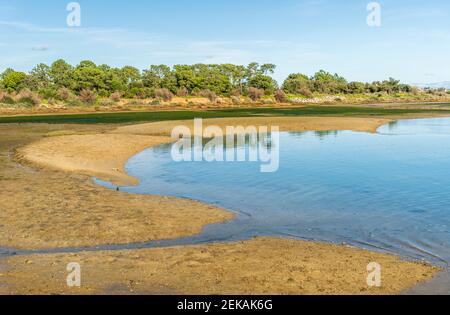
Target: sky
x: 412, y: 44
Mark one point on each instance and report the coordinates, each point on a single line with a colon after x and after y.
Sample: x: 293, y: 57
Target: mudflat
x: 43, y: 208
x: 258, y: 266
x: 48, y: 200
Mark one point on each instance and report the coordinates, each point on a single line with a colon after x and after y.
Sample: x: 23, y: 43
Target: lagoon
x: 388, y: 191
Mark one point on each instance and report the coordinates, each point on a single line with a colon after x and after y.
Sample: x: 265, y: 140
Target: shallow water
x: 388, y: 191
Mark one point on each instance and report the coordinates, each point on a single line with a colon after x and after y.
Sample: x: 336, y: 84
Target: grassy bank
x: 131, y: 117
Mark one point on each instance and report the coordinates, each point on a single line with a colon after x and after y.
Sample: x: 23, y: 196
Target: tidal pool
x: 388, y: 191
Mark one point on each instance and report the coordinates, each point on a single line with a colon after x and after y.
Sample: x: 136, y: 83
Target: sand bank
x: 100, y: 155
x: 259, y: 266
x: 285, y: 124
x: 44, y: 208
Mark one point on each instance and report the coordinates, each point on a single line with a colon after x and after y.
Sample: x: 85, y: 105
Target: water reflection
x: 319, y: 134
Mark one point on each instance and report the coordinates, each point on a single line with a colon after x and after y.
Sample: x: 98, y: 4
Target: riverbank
x: 202, y: 104
x: 150, y: 115
x: 53, y: 206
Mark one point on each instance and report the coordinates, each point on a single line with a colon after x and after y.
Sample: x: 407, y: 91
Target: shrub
x: 134, y: 102
x: 8, y: 99
x: 103, y: 93
x: 195, y: 91
x: 141, y: 93
x: 280, y: 96
x: 74, y: 102
x: 27, y: 97
x: 5, y: 98
x: 210, y: 95
x: 63, y: 94
x: 236, y: 100
x: 87, y: 97
x: 255, y: 94
x: 236, y: 92
x: 305, y: 92
x: 268, y: 101
x: 182, y: 92
x: 164, y: 94
x: 135, y: 92
x: 48, y: 92
x: 106, y: 103
x: 138, y: 92
x: 116, y: 96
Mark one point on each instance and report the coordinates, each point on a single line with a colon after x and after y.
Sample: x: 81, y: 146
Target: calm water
x: 388, y: 191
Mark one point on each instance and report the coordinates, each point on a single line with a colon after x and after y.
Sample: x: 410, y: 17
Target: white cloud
x: 41, y: 48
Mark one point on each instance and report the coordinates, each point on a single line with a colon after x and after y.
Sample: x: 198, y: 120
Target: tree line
x: 60, y: 79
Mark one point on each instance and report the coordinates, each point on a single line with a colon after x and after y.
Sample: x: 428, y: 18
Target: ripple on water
x: 388, y: 191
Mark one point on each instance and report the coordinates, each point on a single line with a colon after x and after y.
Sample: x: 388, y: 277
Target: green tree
x: 356, y: 87
x: 390, y: 86
x: 39, y: 78
x: 114, y: 81
x: 131, y: 76
x: 13, y: 80
x: 87, y: 76
x: 212, y: 78
x: 253, y: 69
x: 61, y: 74
x: 268, y: 68
x: 326, y: 82
x: 160, y: 77
x: 187, y: 78
x: 263, y: 82
x: 296, y: 83
x: 237, y: 75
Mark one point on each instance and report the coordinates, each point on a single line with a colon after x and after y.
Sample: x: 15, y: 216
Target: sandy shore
x: 259, y: 266
x: 48, y: 200
x: 44, y: 208
x: 99, y: 155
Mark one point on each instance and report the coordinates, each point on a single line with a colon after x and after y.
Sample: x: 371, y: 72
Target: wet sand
x: 43, y: 208
x: 48, y: 200
x: 259, y: 266
x: 99, y: 155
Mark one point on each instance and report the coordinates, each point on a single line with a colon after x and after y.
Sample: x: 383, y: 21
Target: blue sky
x: 412, y: 44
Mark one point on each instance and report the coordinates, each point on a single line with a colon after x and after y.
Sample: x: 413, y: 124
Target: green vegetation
x: 225, y: 79
x: 86, y: 83
x: 132, y: 117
